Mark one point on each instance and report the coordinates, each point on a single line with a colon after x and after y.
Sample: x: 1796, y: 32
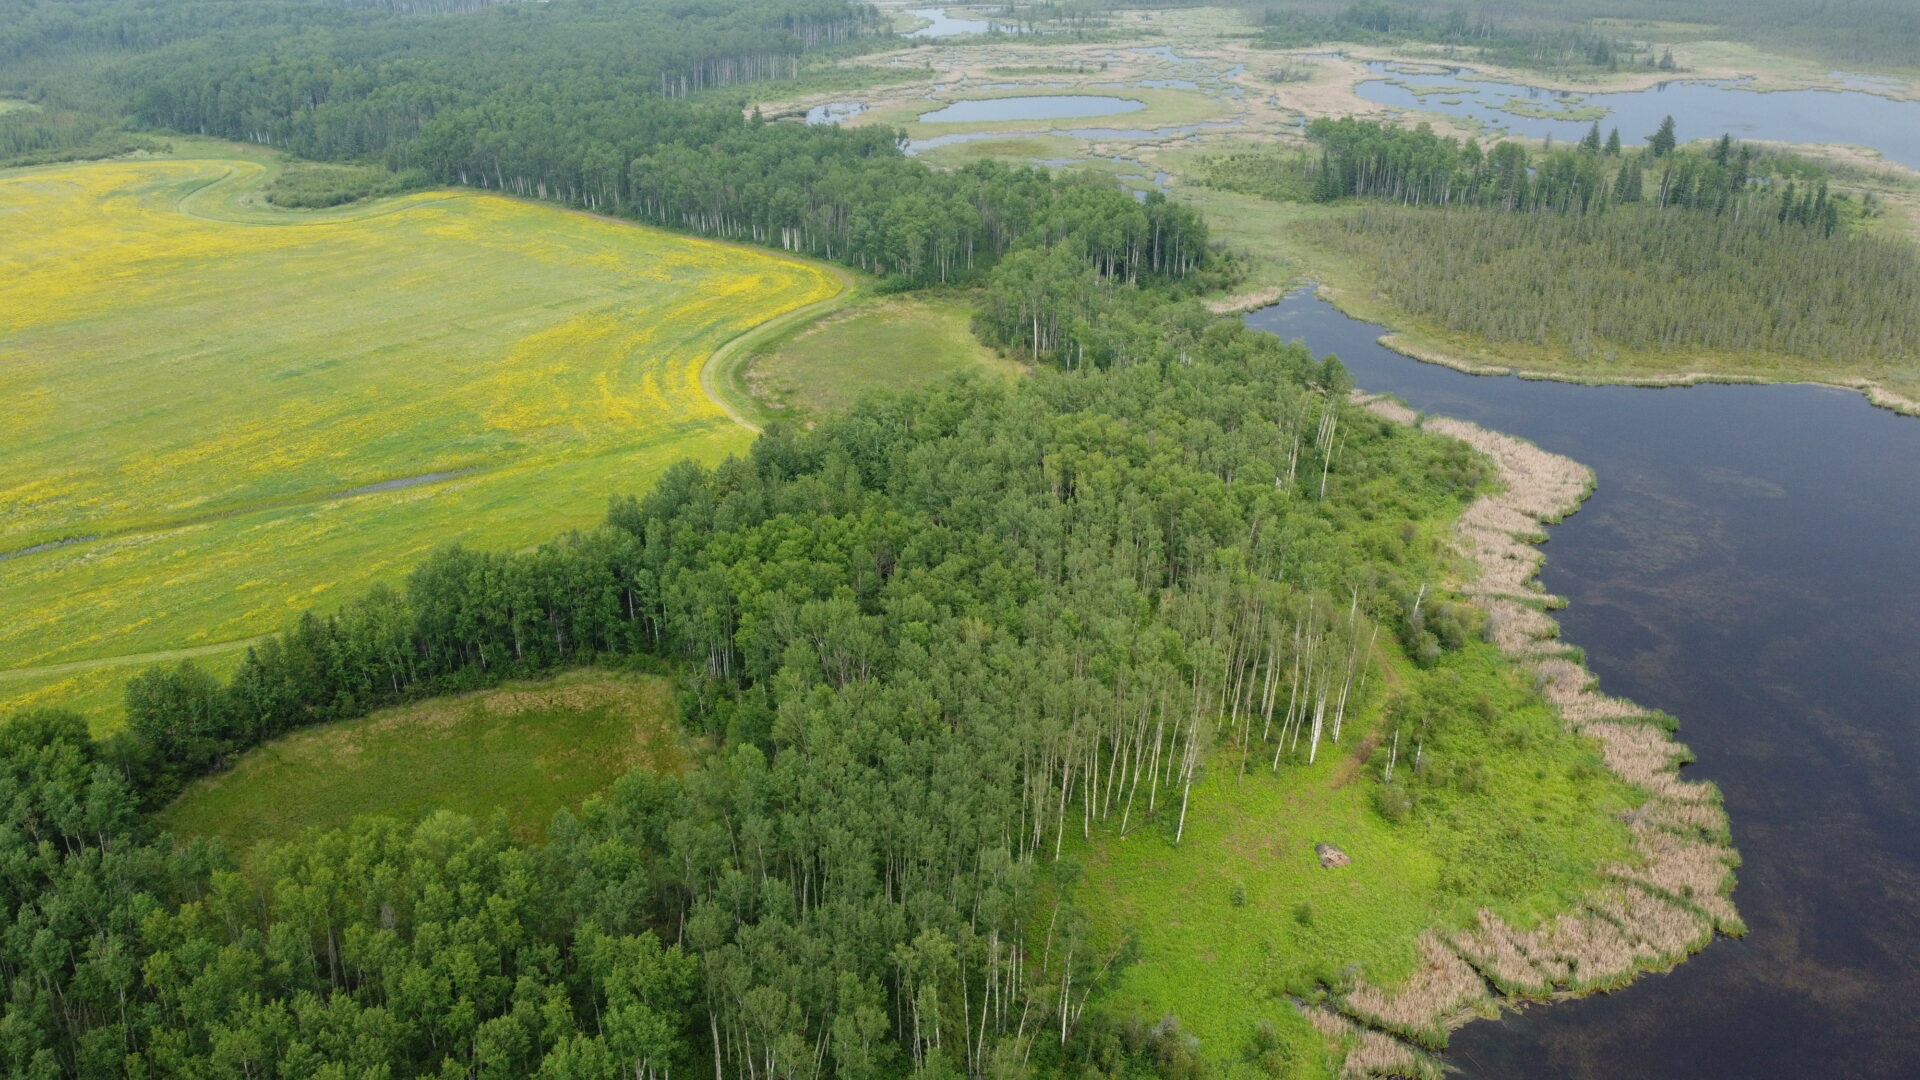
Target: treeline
x: 1554, y: 34
x: 1484, y: 34
x: 352, y: 81
x: 848, y: 195
x: 1362, y: 159
x: 1642, y: 279
x: 581, y: 102
x: 930, y: 639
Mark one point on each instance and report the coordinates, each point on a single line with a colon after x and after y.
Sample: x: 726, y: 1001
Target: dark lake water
x: 1032, y: 107
x: 1750, y: 562
x: 945, y: 25
x: 1700, y: 110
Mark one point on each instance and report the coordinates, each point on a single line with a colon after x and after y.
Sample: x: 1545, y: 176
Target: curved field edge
x: 802, y: 372
x: 724, y: 375
x: 1643, y: 916
x: 325, y: 520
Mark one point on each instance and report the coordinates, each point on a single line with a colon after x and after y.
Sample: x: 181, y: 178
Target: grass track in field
x: 887, y: 342
x: 525, y: 749
x: 199, y: 380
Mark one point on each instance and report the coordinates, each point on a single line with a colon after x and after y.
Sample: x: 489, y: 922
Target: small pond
x: 945, y: 25
x: 834, y: 112
x: 1037, y: 107
x: 1699, y: 109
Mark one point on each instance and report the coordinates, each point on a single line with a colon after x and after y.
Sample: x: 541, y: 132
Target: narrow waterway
x: 1750, y: 562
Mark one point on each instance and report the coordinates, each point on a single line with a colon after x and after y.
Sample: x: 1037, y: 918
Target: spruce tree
x: 1663, y: 141
x: 1613, y: 143
x: 1592, y: 140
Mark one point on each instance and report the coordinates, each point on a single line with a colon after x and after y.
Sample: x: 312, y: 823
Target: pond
x: 1032, y: 107
x: 1699, y: 109
x: 944, y: 25
x: 1747, y: 563
x: 834, y: 112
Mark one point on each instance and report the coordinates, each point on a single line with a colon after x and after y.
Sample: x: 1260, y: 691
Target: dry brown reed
x: 1370, y: 1053
x: 1444, y: 986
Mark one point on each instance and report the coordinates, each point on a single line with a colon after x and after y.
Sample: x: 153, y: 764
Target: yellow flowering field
x: 234, y: 405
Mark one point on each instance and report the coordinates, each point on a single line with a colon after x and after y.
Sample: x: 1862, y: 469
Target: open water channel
x: 1700, y: 110
x: 1747, y: 563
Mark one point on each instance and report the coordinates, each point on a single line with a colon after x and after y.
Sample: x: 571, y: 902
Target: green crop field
x: 239, y: 412
x: 525, y: 750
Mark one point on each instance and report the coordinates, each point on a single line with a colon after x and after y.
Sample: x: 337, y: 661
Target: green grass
x: 209, y: 385
x: 525, y: 750
x: 888, y: 342
x: 1513, y: 814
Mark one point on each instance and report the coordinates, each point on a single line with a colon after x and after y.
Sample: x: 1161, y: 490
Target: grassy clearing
x: 239, y: 401
x: 524, y: 749
x: 1509, y: 812
x: 884, y: 343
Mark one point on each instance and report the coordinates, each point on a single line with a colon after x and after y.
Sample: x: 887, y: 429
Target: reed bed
x: 1445, y: 986
x: 1652, y: 914
x: 1369, y: 1053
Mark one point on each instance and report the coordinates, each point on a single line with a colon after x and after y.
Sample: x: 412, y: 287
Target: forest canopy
x: 921, y: 637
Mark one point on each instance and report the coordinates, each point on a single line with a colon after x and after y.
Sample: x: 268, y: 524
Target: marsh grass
x: 1644, y: 913
x: 524, y: 750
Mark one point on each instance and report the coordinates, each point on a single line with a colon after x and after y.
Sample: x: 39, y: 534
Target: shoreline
x: 1640, y: 918
x: 1876, y: 394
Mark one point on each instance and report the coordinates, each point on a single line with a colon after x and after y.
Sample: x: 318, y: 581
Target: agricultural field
x: 223, y: 413
x: 524, y: 750
x: 887, y: 342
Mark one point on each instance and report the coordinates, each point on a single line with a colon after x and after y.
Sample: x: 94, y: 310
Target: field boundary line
x: 71, y: 667
x: 724, y: 364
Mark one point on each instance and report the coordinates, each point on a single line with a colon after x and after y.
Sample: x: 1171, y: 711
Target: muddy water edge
x: 1747, y: 563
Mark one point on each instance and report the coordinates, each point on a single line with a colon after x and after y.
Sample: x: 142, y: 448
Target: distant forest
x: 1717, y: 247
x: 610, y: 105
x: 1562, y: 34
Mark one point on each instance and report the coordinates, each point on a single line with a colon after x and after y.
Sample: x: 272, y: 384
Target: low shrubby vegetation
x: 316, y: 186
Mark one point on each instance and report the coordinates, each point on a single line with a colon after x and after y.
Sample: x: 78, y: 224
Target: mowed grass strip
x: 887, y: 342
x: 209, y: 396
x: 524, y: 749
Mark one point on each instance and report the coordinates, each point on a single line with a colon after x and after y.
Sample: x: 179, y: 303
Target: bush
x: 316, y: 186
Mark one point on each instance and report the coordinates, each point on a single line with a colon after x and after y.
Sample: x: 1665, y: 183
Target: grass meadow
x: 235, y: 405
x: 890, y: 342
x: 1240, y: 917
x: 523, y: 749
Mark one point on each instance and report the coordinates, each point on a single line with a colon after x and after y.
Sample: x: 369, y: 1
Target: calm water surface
x: 1751, y: 563
x: 1031, y: 107
x: 944, y: 25
x: 1699, y: 110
